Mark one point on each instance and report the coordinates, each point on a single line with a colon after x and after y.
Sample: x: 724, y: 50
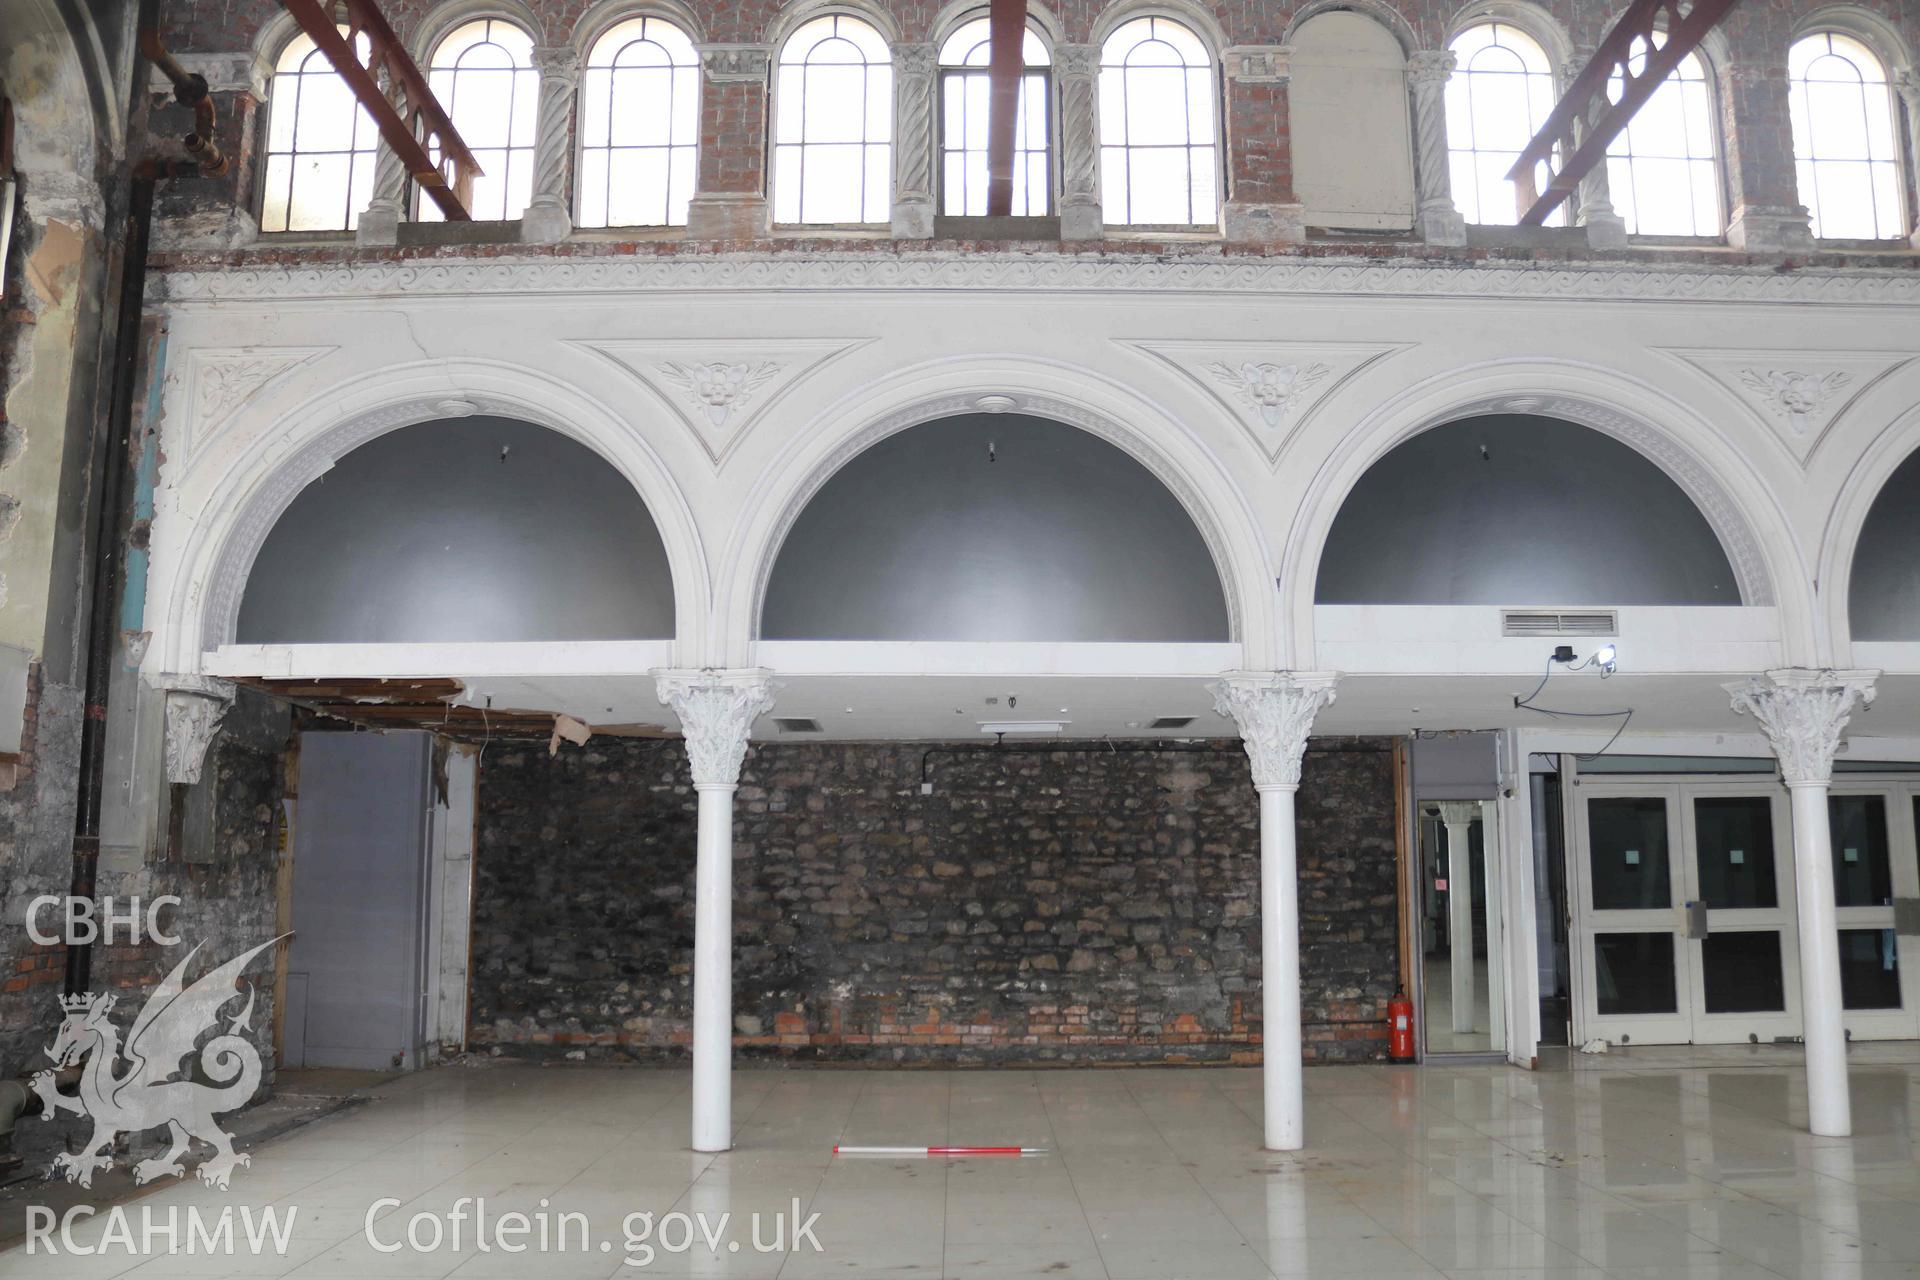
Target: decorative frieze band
x: 954, y: 270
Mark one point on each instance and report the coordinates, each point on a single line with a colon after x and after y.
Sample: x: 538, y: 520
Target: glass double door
x: 1684, y: 914
x: 1874, y: 867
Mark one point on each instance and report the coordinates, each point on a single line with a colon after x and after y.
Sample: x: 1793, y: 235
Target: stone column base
x: 728, y: 215
x: 379, y: 224
x: 1605, y: 231
x: 1442, y: 224
x: 1264, y: 224
x: 1770, y: 229
x: 913, y: 219
x: 1082, y: 221
x: 546, y: 221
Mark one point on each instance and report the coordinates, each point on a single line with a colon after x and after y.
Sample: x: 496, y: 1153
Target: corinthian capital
x: 717, y: 710
x: 195, y: 707
x: 1275, y: 711
x: 1803, y: 711
x: 1430, y: 66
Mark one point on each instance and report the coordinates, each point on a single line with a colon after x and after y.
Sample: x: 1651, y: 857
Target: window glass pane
x: 832, y: 184
x: 1628, y: 837
x: 1734, y: 845
x: 1869, y: 969
x: 639, y: 127
x: 1862, y: 863
x: 1157, y: 186
x: 1634, y: 973
x: 1662, y: 168
x: 1741, y: 972
x: 1498, y: 96
x: 1159, y: 125
x: 320, y: 191
x: 1842, y: 117
x: 834, y: 119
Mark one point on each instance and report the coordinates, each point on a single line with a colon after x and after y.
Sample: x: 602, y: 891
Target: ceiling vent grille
x: 1171, y: 722
x: 796, y: 724
x: 1549, y: 622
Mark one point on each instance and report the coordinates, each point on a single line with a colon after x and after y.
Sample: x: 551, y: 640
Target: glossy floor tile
x: 1657, y: 1164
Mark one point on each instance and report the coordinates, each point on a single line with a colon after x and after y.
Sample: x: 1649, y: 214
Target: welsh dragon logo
x: 144, y: 1095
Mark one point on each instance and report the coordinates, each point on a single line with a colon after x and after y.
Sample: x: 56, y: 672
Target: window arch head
x: 1663, y: 170
x: 482, y: 73
x: 1500, y: 93
x: 1844, y: 148
x: 833, y: 125
x: 639, y: 126
x: 1159, y: 126
x: 963, y: 124
x: 320, y: 144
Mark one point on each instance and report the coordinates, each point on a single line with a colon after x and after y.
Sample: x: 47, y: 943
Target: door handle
x: 1906, y: 917
x: 1696, y: 920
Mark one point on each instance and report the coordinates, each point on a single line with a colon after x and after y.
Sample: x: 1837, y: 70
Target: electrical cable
x: 1626, y: 716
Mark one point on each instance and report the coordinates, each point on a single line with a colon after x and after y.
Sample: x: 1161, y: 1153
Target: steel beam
x: 1585, y: 121
x: 1007, y: 29
x: 405, y: 111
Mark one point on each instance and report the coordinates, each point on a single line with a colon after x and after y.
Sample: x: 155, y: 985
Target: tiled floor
x: 1653, y: 1164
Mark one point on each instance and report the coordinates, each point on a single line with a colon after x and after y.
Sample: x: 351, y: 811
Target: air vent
x: 1541, y: 622
x: 1171, y: 722
x: 796, y: 724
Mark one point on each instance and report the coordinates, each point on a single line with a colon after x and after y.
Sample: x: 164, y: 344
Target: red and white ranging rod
x: 939, y: 1151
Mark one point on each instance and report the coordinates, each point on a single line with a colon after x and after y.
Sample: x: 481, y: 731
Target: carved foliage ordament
x: 720, y: 387
x: 716, y: 715
x: 1803, y: 713
x: 1796, y: 398
x: 1274, y: 390
x: 1275, y: 713
x: 195, y: 707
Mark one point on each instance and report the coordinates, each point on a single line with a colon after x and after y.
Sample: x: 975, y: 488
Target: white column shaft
x: 713, y: 972
x: 1280, y: 971
x: 716, y: 712
x: 1460, y: 922
x: 1804, y: 711
x: 1829, y: 1110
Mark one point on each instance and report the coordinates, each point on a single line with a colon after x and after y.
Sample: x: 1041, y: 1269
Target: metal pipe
x: 112, y: 438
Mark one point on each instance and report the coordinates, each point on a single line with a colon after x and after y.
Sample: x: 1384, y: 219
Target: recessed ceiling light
x: 1170, y: 722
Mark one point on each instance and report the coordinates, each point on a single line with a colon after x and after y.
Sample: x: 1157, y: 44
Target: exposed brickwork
x: 1749, y: 49
x: 733, y: 138
x: 1038, y: 907
x: 1260, y: 156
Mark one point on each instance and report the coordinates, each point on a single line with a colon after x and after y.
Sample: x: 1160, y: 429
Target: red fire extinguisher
x: 1400, y: 1020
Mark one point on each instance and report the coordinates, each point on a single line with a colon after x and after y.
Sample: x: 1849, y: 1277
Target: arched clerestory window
x: 482, y: 73
x: 320, y: 145
x: 1159, y: 126
x: 639, y: 126
x: 963, y: 125
x: 833, y: 124
x: 1500, y: 93
x: 1844, y: 146
x: 1663, y: 170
